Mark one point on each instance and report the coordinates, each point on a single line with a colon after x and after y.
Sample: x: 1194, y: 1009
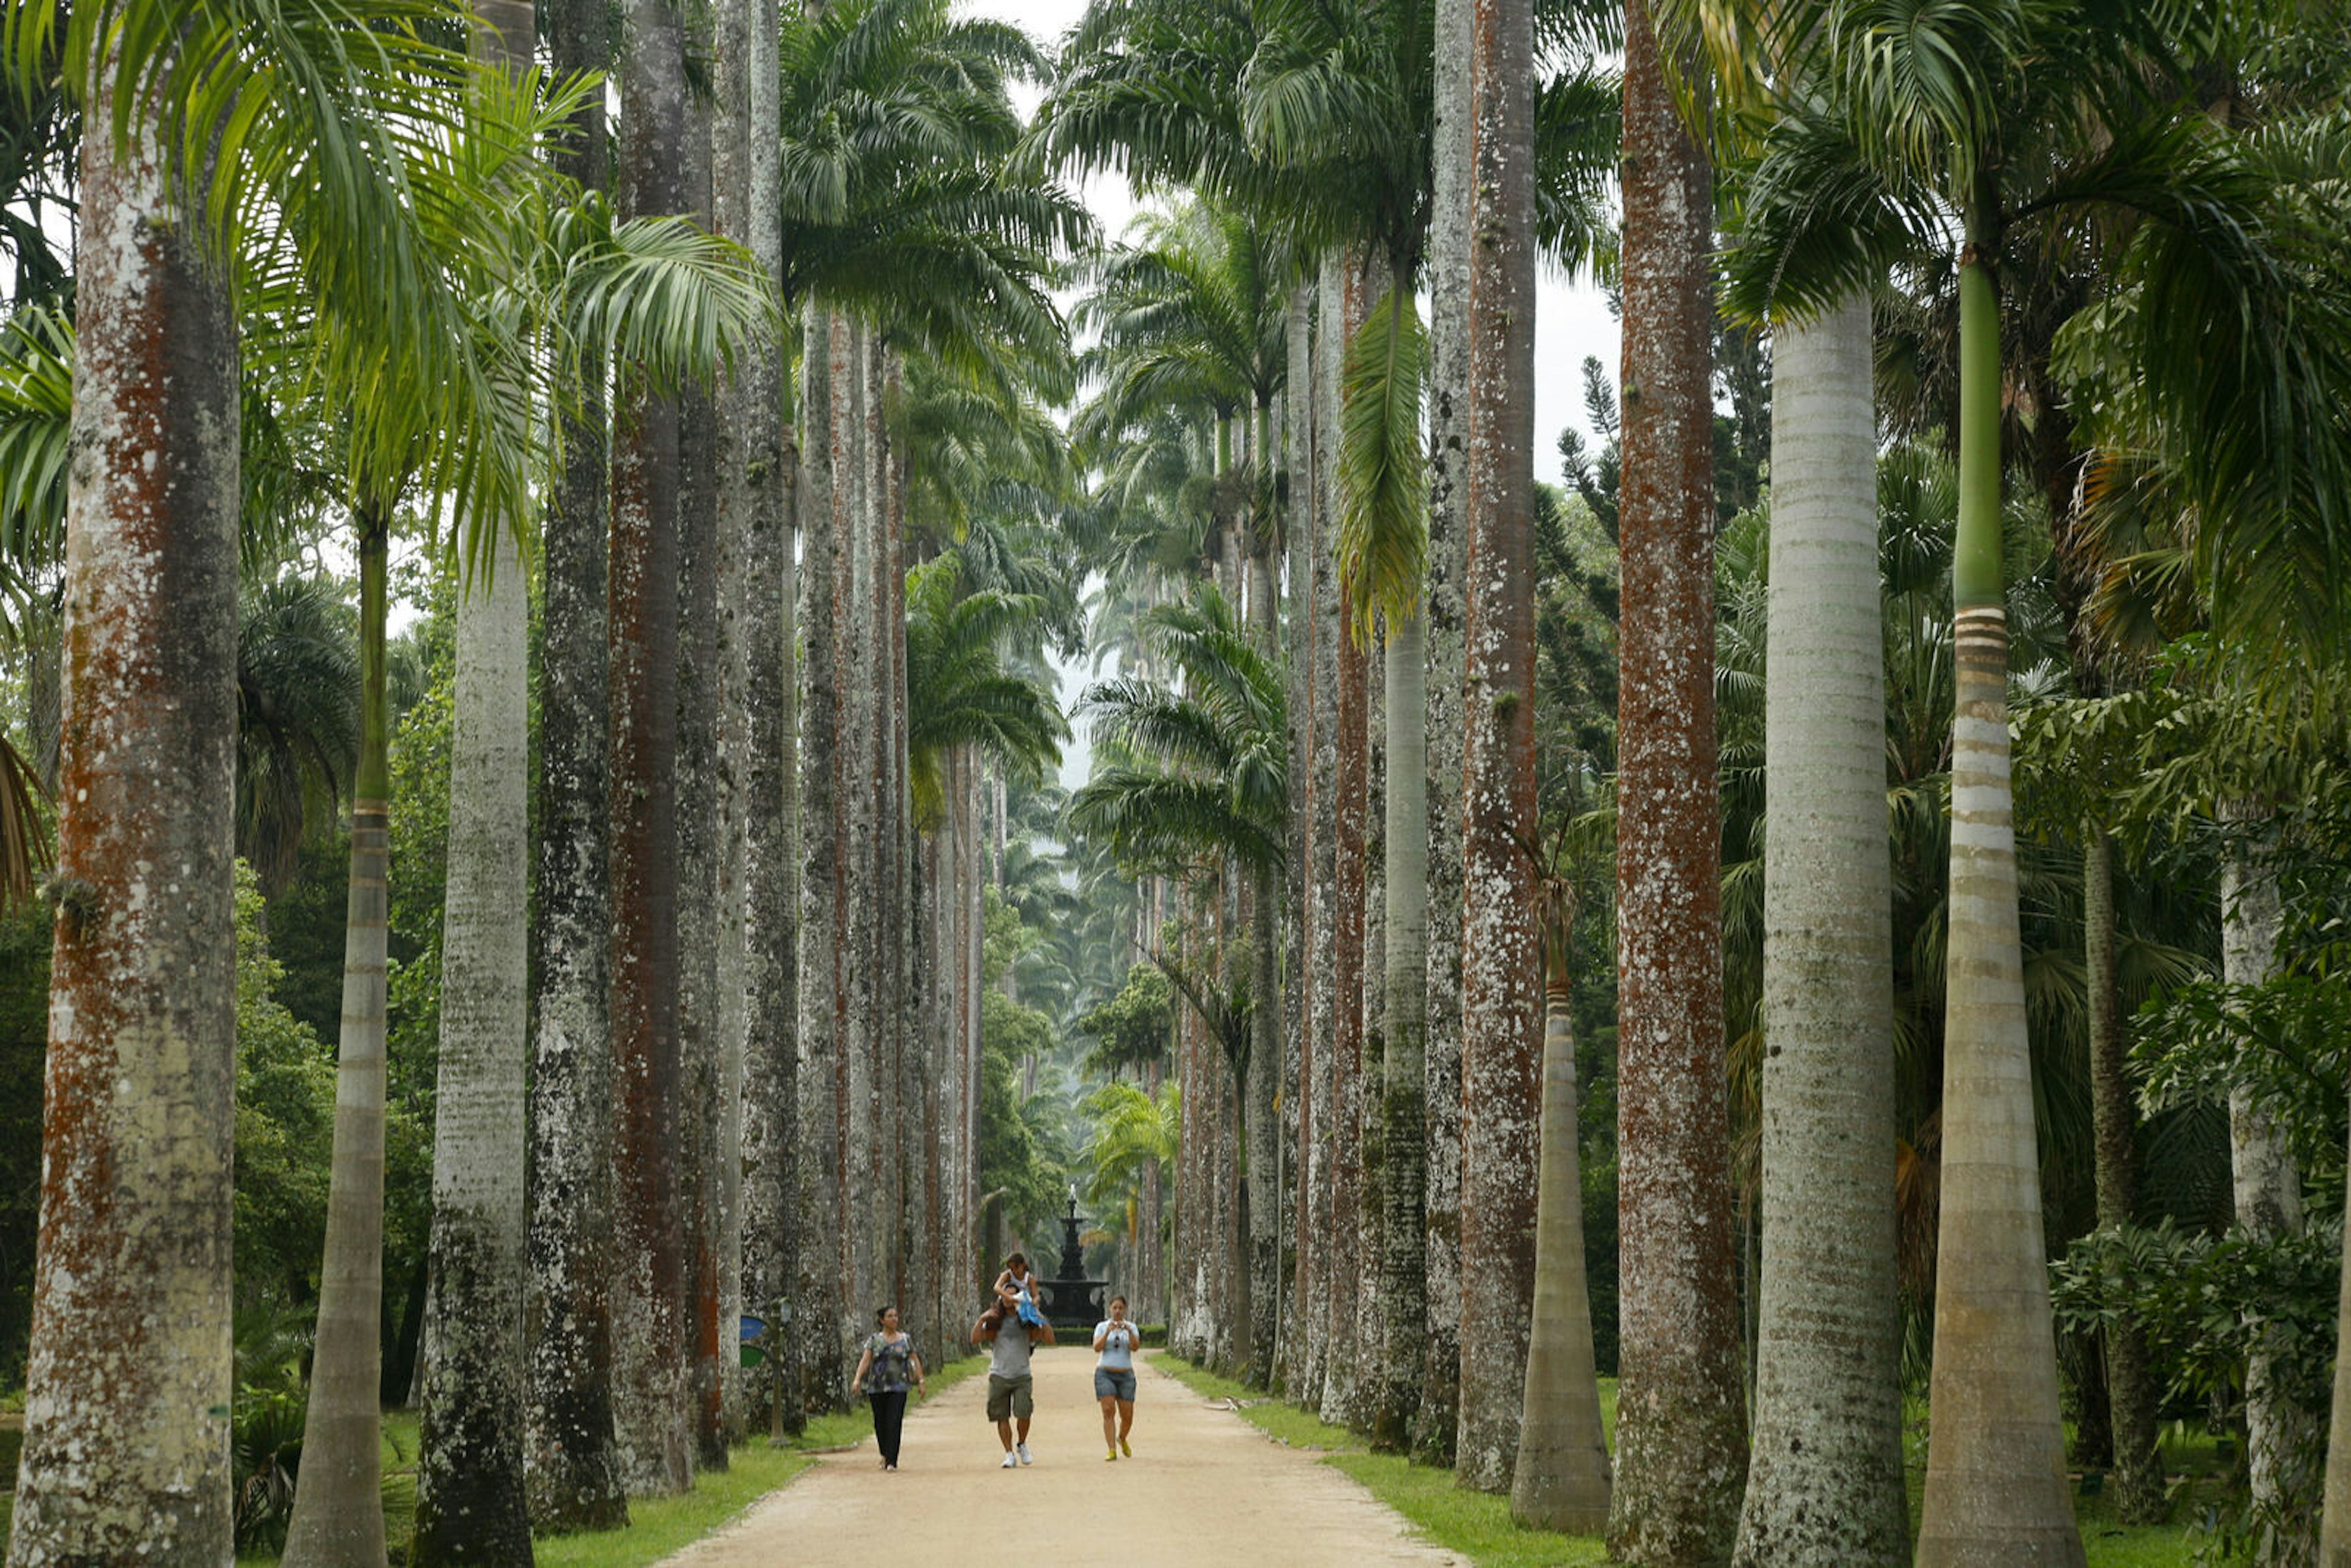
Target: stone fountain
x: 1072, y: 1301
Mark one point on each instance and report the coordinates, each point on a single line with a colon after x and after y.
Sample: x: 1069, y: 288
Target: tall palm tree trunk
x: 1404, y: 1152
x: 1435, y: 1426
x: 2282, y: 1435
x: 701, y: 697
x: 126, y: 1455
x: 1346, y: 303
x: 338, y: 1517
x: 1825, y: 1484
x: 1562, y: 1479
x: 1681, y: 1420
x: 2131, y: 1391
x: 1320, y: 1091
x: 1996, y: 1488
x: 1502, y: 971
x: 570, y: 1458
x: 471, y: 1504
x: 1298, y: 402
x: 769, y: 470
x: 820, y: 1114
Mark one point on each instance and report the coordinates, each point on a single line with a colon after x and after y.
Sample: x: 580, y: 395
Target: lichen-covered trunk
x: 1501, y: 970
x: 1319, y: 1087
x: 1347, y: 300
x: 338, y: 1516
x: 1301, y: 1047
x: 1681, y: 1418
x: 1825, y: 1484
x: 2282, y: 1435
x: 1996, y: 1489
x: 770, y: 1222
x: 1435, y: 1426
x: 126, y: 1417
x: 701, y: 854
x: 1404, y: 1152
x: 858, y: 1138
x: 470, y: 1503
x: 820, y: 1159
x: 1562, y: 1478
x: 2131, y: 1390
x: 571, y: 1460
x: 1261, y: 1186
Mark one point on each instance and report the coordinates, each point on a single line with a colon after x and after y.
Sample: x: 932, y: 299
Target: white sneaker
x: 1009, y: 1462
x: 1022, y: 1449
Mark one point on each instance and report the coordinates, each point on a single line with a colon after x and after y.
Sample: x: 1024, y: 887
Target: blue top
x: 1117, y: 1346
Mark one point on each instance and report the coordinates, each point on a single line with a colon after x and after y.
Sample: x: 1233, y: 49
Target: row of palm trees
x: 1937, y: 151
x: 424, y: 237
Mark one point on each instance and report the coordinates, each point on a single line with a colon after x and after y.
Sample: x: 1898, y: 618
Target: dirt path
x: 1204, y: 1487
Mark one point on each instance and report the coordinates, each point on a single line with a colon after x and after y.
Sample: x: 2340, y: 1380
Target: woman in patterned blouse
x: 891, y: 1358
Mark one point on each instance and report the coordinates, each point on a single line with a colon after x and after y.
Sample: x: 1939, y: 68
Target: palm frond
x: 1383, y: 538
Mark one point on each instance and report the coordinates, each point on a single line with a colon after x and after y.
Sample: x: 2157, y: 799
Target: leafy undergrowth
x: 1476, y: 1526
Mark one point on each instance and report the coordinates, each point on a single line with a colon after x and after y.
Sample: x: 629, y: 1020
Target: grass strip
x: 1473, y: 1524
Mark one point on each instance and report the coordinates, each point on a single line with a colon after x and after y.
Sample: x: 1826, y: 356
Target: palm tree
x: 571, y: 1462
x: 113, y: 1464
x: 1562, y: 1478
x: 471, y: 1506
x: 135, y: 1188
x: 2106, y: 125
x: 297, y: 719
x: 1681, y: 1426
x: 1825, y: 1478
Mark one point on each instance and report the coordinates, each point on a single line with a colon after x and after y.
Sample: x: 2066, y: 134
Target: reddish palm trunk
x: 1681, y: 1433
x: 126, y: 1438
x: 1501, y: 967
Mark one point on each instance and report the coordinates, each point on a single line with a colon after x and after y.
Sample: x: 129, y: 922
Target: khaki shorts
x: 1009, y: 1399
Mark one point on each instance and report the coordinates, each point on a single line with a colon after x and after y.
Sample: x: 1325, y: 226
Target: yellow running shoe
x: 1112, y: 1457
x: 1124, y: 1449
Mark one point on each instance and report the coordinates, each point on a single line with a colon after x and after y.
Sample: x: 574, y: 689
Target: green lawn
x: 1479, y: 1527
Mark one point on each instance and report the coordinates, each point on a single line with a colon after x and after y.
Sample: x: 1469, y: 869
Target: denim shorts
x: 1115, y: 1383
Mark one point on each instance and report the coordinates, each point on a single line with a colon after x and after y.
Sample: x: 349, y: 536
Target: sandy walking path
x: 1204, y: 1487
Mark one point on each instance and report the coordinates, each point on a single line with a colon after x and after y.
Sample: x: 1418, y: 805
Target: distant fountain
x: 1072, y: 1301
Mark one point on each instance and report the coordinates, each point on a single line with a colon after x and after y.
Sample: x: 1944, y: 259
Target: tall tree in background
x: 471, y: 1506
x: 1501, y: 970
x: 1681, y: 1418
x: 571, y: 1460
x: 650, y: 1318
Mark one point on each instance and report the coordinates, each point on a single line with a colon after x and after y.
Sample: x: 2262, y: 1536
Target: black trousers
x: 889, y: 1420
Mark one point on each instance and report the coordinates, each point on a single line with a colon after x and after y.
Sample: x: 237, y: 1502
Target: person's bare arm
x: 865, y: 1362
x: 1099, y: 1335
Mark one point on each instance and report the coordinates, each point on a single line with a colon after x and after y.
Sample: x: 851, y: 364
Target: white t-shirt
x: 1117, y: 1346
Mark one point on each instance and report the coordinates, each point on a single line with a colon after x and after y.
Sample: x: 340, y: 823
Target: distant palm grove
x: 1764, y: 974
